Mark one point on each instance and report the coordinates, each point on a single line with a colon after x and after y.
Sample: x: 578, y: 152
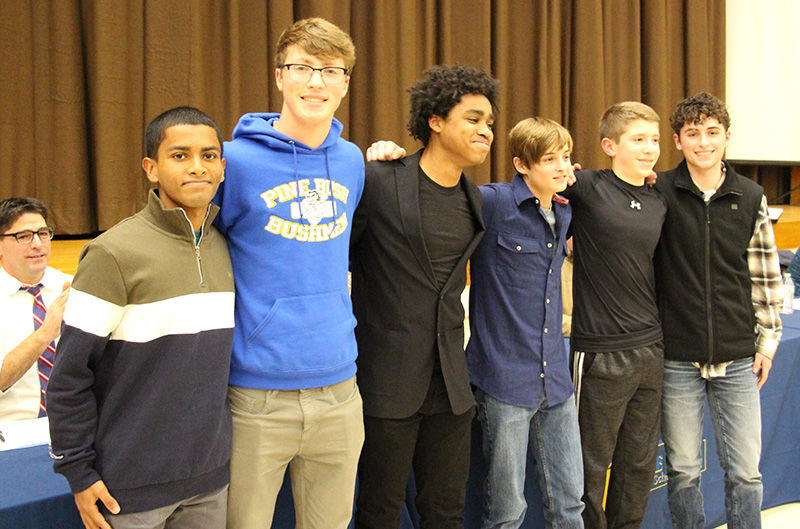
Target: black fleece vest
x: 702, y: 275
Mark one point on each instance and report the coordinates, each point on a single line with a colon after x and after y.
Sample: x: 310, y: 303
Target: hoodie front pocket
x: 304, y: 333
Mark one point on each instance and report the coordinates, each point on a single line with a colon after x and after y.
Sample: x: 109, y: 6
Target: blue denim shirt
x: 516, y: 351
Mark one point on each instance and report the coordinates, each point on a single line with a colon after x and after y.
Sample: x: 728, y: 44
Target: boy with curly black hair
x: 417, y: 224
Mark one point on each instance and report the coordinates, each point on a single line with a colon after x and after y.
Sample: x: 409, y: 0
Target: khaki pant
x: 317, y: 433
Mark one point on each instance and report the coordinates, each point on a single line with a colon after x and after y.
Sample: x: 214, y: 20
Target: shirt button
x: 542, y: 375
x: 519, y: 248
x: 549, y: 244
x: 545, y: 362
x: 550, y: 271
x: 548, y: 301
x: 545, y: 330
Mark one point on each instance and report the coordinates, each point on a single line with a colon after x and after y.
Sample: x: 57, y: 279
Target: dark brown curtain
x: 83, y: 78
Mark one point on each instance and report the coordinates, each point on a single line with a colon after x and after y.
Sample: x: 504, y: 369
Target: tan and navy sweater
x: 137, y: 396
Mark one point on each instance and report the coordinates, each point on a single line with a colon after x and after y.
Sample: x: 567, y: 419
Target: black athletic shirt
x: 616, y: 228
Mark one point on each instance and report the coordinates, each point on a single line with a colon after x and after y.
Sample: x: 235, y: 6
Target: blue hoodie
x: 286, y: 211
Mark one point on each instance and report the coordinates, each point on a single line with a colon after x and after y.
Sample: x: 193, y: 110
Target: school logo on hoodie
x: 313, y: 215
x: 313, y: 207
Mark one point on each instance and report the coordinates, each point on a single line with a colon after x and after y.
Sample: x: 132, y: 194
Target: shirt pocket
x: 519, y: 258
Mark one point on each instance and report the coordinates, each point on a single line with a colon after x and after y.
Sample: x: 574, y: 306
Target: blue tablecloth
x: 32, y: 496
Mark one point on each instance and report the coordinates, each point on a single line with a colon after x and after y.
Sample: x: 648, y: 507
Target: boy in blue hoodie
x: 286, y: 208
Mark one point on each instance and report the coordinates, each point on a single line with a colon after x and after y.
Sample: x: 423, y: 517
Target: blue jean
x: 553, y: 436
x: 736, y: 416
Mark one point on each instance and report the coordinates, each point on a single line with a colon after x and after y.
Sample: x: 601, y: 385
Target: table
x: 32, y: 496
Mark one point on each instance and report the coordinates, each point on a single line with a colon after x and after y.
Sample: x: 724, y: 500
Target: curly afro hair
x: 440, y: 89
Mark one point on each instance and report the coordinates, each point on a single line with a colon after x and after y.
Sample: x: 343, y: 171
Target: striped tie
x: 46, y: 360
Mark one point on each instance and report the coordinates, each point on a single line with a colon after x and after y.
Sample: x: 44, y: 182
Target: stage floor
x: 64, y: 254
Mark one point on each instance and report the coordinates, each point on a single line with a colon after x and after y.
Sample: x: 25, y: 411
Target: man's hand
x: 651, y: 180
x: 762, y: 364
x: 17, y: 361
x: 384, y: 151
x: 86, y: 500
x: 55, y: 315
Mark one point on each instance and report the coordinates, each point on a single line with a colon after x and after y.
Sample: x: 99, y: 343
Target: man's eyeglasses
x: 26, y: 236
x: 301, y: 73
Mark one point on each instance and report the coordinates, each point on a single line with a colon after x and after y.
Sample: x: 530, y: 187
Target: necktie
x: 46, y: 359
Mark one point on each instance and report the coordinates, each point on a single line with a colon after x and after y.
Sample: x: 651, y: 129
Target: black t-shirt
x: 616, y: 227
x: 447, y: 224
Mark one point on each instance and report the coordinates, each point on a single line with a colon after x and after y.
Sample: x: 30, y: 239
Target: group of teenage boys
x: 138, y: 397
x: 677, y: 298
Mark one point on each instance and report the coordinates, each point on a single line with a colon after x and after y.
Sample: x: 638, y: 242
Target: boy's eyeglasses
x: 301, y: 73
x: 26, y: 236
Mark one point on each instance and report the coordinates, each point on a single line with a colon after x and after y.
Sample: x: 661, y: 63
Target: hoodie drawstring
x: 330, y: 188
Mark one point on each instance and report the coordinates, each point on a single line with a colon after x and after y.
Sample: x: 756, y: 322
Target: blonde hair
x: 532, y: 138
x: 317, y: 37
x: 617, y: 117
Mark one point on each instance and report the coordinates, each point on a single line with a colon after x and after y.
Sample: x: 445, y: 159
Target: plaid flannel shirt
x: 767, y: 284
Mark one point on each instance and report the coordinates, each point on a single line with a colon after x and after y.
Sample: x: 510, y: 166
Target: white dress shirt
x: 21, y: 400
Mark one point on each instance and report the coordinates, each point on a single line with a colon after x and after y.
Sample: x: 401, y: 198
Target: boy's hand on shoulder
x: 651, y: 180
x: 571, y: 173
x: 86, y: 500
x: 383, y: 151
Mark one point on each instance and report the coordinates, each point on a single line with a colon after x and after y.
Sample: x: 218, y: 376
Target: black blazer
x: 403, y: 317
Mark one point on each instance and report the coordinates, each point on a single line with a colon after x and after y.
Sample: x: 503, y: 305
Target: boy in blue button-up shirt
x: 516, y: 353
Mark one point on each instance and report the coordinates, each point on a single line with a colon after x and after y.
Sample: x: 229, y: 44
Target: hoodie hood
x: 260, y: 126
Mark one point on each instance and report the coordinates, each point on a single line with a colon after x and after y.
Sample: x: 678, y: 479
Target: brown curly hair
x: 697, y: 109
